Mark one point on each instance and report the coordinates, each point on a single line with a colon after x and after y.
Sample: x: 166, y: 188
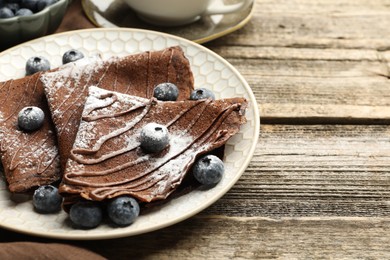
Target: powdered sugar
x: 113, y: 101
x: 30, y: 157
x: 86, y: 133
x: 52, y: 81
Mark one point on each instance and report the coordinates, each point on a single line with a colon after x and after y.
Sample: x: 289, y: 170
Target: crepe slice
x: 106, y: 159
x: 29, y: 158
x: 136, y: 74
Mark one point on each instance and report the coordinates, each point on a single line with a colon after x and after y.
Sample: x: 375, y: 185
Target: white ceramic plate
x: 210, y: 70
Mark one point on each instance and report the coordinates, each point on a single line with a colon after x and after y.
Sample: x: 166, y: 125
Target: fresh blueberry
x: 30, y: 4
x: 37, y: 63
x: 42, y: 4
x: 86, y: 214
x: 123, y: 210
x: 23, y: 12
x: 13, y: 6
x: 71, y: 56
x: 202, y: 93
x: 154, y: 137
x: 208, y: 170
x: 5, y: 12
x: 46, y: 199
x: 30, y: 118
x: 166, y: 92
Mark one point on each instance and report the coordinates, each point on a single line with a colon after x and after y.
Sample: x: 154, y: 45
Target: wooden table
x: 319, y: 183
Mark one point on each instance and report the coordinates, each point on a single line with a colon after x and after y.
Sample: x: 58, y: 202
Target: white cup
x: 181, y: 12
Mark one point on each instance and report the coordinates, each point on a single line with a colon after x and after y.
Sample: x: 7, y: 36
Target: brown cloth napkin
x: 75, y: 19
x: 43, y: 251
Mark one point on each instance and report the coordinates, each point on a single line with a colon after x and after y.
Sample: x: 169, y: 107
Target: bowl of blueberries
x: 23, y: 20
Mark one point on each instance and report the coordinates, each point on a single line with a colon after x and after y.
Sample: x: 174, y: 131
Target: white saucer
x: 116, y: 13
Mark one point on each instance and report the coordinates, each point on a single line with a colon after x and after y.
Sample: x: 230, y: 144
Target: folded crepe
x: 138, y: 74
x: 29, y: 158
x: 106, y: 160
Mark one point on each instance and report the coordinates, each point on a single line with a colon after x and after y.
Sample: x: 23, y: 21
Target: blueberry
x: 123, y: 210
x: 29, y: 4
x: 42, y: 4
x: 208, y: 170
x: 13, y: 6
x: 202, y: 93
x: 71, y: 56
x: 166, y: 92
x: 154, y: 137
x: 86, y: 214
x: 5, y: 12
x: 46, y: 199
x: 23, y: 12
x: 37, y: 63
x: 30, y: 118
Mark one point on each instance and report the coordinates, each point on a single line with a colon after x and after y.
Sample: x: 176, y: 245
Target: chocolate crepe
x: 138, y: 74
x: 29, y: 158
x: 106, y: 160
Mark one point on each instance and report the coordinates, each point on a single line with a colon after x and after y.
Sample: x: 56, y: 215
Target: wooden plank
x: 259, y: 238
x: 315, y: 86
x: 320, y: 24
x: 314, y: 170
x: 312, y: 83
x: 217, y: 237
x: 336, y: 114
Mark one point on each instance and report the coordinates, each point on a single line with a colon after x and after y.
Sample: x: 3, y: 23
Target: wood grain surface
x: 318, y: 186
x: 307, y: 59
